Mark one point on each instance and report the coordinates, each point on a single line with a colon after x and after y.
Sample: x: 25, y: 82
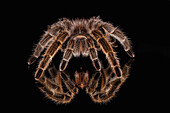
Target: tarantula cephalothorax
x: 81, y: 37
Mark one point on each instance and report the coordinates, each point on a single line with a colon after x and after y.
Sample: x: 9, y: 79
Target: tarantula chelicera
x: 81, y: 37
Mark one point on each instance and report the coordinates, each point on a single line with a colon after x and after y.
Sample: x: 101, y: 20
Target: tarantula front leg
x: 49, y: 53
x: 119, y: 35
x: 108, y: 50
x: 50, y: 34
x: 40, y: 46
x: 67, y: 55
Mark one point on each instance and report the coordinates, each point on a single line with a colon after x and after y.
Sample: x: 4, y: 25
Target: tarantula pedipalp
x: 82, y: 37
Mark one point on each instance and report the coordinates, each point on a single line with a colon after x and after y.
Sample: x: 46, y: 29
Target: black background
x: 145, y: 22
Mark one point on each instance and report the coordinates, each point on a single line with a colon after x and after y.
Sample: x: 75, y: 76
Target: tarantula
x: 81, y: 37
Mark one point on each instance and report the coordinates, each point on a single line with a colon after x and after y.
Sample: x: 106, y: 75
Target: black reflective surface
x: 146, y: 23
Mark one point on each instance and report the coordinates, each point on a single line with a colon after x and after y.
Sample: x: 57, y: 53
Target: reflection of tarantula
x: 101, y: 87
x: 81, y: 37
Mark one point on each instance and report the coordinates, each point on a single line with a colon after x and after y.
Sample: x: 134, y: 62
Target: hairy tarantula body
x: 80, y: 37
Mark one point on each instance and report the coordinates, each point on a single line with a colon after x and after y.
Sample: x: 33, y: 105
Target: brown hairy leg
x: 120, y: 36
x: 108, y: 51
x: 93, y: 54
x: 50, y: 35
x: 67, y: 55
x: 49, y: 54
x: 110, y: 84
x: 53, y: 87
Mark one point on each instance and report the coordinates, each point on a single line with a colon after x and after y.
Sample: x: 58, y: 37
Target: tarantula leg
x: 112, y: 85
x: 70, y: 85
x: 53, y: 92
x: 124, y: 41
x: 62, y: 98
x: 126, y: 69
x: 112, y: 41
x: 55, y: 77
x: 108, y: 93
x: 50, y: 34
x: 67, y: 55
x: 49, y: 54
x: 120, y: 36
x: 52, y: 71
x: 40, y: 46
x: 93, y: 83
x: 93, y: 55
x: 59, y: 97
x: 108, y: 50
x: 53, y: 87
